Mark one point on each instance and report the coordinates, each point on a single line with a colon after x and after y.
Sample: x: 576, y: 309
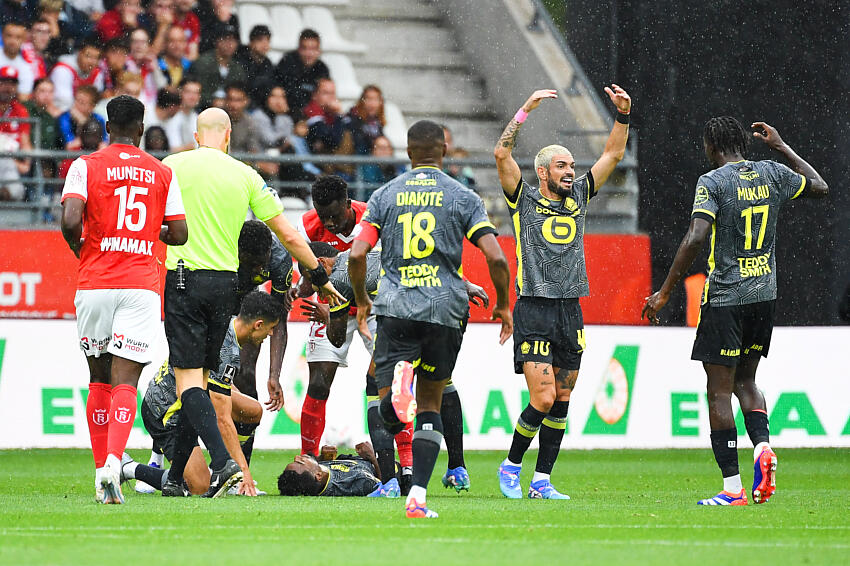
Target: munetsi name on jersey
x: 129, y: 245
x: 130, y: 173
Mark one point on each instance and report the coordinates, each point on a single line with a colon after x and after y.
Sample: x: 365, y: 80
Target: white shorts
x: 320, y: 349
x: 122, y: 322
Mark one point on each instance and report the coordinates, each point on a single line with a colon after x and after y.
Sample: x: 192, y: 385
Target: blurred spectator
x: 120, y: 20
x: 173, y: 63
x: 14, y: 136
x: 143, y: 61
x: 113, y: 64
x: 366, y: 119
x: 41, y: 106
x: 128, y: 83
x: 374, y: 173
x: 17, y: 11
x: 463, y: 174
x: 14, y: 35
x: 157, y: 21
x: 164, y: 115
x: 93, y: 9
x: 272, y: 119
x: 34, y: 49
x: 253, y: 58
x: 190, y: 97
x: 218, y: 99
x: 91, y: 134
x: 83, y: 108
x: 74, y: 71
x: 299, y: 71
x: 324, y: 119
x: 187, y: 20
x: 215, y: 16
x: 155, y: 139
x: 244, y: 136
x: 297, y: 144
x: 216, y: 67
x: 69, y: 27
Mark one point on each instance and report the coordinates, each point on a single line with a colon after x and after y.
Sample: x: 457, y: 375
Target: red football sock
x: 312, y: 424
x: 97, y: 415
x: 122, y: 414
x: 404, y: 443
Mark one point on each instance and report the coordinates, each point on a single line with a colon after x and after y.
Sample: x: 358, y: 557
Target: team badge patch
x: 525, y: 348
x: 702, y: 195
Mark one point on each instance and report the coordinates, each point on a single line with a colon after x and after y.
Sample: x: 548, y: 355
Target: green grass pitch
x: 627, y: 507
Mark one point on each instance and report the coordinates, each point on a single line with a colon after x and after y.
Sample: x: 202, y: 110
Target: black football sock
x: 185, y: 439
x: 246, y: 432
x: 391, y: 420
x: 526, y: 429
x: 551, y: 433
x: 724, y: 443
x: 758, y: 427
x: 452, y: 414
x: 382, y: 442
x: 199, y: 410
x: 427, y: 438
x: 154, y: 477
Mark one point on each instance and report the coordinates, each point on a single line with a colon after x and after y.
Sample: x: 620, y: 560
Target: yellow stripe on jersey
x: 801, y: 189
x: 516, y: 197
x: 518, y: 251
x: 170, y: 412
x: 704, y: 211
x: 474, y: 229
x: 710, y: 262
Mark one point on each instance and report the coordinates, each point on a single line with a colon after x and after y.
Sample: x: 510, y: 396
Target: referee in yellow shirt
x: 200, y: 288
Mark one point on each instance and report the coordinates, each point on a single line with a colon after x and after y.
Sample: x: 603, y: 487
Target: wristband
x: 520, y: 116
x: 318, y: 276
x: 622, y: 118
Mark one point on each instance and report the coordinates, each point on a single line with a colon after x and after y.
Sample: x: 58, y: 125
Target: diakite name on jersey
x: 428, y: 198
x: 130, y: 173
x: 420, y: 275
x: 754, y: 266
x: 760, y: 192
x: 129, y: 245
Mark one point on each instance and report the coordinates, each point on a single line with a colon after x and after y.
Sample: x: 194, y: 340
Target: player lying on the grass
x: 331, y: 475
x: 739, y: 203
x: 259, y: 314
x: 117, y: 300
x: 551, y: 277
x: 261, y: 258
x: 337, y: 323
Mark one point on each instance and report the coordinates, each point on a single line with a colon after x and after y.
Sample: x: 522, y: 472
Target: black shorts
x: 549, y: 331
x: 434, y: 346
x: 725, y: 334
x: 164, y: 436
x: 196, y: 318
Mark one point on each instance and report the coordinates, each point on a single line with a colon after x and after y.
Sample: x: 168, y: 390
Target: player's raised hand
x: 768, y: 134
x: 537, y: 97
x: 619, y: 97
x: 330, y: 294
x: 504, y: 314
x: 275, y: 402
x: 316, y: 312
x: 654, y: 303
x: 477, y: 295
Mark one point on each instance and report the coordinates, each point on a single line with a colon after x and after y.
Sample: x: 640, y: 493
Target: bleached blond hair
x: 545, y: 155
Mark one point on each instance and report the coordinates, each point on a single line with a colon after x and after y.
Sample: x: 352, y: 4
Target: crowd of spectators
x: 63, y: 60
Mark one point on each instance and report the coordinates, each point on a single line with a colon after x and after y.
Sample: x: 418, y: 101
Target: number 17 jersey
x: 423, y: 217
x: 128, y: 194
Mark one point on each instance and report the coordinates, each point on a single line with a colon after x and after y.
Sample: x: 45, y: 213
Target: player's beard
x: 557, y: 188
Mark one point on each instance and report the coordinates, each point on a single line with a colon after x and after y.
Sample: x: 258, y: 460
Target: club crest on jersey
x: 701, y: 196
x: 100, y: 416
x: 118, y: 340
x: 122, y: 415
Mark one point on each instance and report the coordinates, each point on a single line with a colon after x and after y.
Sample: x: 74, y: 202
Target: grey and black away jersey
x: 742, y: 201
x: 278, y: 271
x: 423, y: 216
x: 342, y: 283
x: 550, y: 240
x: 350, y: 476
x: 161, y: 396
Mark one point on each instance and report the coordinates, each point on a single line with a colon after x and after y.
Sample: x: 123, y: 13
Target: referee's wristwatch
x: 317, y: 276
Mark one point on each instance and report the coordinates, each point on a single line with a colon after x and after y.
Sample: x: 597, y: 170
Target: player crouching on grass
x: 331, y: 475
x: 739, y: 203
x: 258, y: 316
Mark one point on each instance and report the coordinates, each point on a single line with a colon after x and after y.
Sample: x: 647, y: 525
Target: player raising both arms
x: 422, y: 218
x: 115, y: 203
x: 739, y: 203
x: 549, y: 330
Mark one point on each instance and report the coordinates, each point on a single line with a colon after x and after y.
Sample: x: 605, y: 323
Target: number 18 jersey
x: 423, y: 216
x: 128, y: 194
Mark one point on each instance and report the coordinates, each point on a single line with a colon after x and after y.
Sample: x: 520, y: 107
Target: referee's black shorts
x: 196, y: 317
x: 725, y: 335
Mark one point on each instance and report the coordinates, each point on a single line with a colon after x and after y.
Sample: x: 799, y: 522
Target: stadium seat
x: 305, y: 2
x: 251, y: 15
x: 286, y: 24
x: 321, y: 19
x: 396, y: 128
x: 342, y: 72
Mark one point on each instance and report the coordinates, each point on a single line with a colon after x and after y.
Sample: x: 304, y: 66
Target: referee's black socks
x: 551, y: 434
x: 199, y: 411
x: 427, y: 439
x: 526, y: 429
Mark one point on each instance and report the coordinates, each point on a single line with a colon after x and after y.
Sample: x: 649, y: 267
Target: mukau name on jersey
x: 129, y: 245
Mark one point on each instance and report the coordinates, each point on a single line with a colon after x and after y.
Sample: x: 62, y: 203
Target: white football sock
x: 417, y: 493
x: 759, y: 447
x: 539, y: 476
x: 156, y: 458
x: 129, y: 470
x: 509, y: 463
x: 732, y: 484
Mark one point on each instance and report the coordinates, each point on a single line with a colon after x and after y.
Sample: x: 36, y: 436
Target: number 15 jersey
x: 423, y: 216
x: 128, y: 194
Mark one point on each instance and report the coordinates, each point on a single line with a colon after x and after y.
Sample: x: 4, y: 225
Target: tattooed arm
x: 509, y: 173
